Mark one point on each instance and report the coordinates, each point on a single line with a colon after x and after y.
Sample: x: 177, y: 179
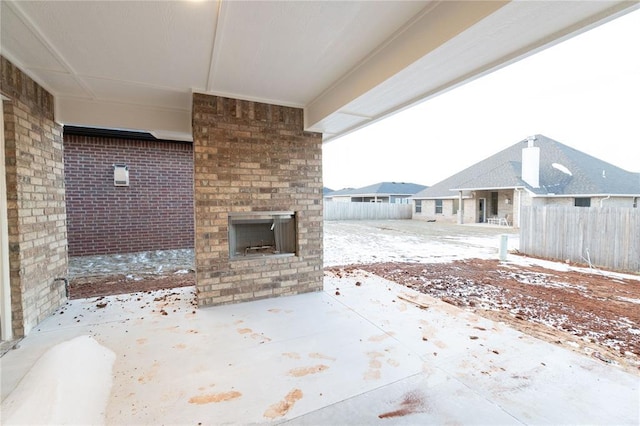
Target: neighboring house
x: 535, y: 171
x: 383, y: 192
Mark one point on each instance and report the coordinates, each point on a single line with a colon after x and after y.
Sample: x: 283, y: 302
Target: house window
x: 456, y: 206
x: 418, y: 206
x: 494, y: 204
x: 582, y: 202
x: 438, y: 206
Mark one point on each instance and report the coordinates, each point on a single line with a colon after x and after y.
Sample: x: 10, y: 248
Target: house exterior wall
x: 155, y: 212
x: 399, y: 199
x: 612, y: 201
x: 251, y: 157
x: 502, y: 209
x: 526, y: 200
x: 448, y: 214
x: 35, y: 200
x: 369, y: 199
x: 471, y: 212
x: 517, y: 200
x: 555, y: 201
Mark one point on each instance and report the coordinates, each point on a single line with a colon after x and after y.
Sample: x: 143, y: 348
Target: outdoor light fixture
x: 507, y: 200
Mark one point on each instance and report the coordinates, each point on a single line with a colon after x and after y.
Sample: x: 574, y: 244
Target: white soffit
x: 512, y: 32
x: 290, y: 52
x: 134, y: 64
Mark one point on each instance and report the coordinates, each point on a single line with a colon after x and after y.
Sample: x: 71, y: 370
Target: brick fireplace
x: 258, y: 201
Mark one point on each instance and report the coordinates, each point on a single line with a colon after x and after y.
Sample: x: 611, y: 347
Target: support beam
x: 163, y: 123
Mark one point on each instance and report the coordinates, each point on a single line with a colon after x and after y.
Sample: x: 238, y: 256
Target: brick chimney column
x: 254, y: 157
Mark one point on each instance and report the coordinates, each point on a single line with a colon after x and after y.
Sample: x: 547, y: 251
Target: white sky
x: 584, y: 92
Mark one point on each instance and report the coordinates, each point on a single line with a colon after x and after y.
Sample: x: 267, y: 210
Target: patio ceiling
x: 133, y: 65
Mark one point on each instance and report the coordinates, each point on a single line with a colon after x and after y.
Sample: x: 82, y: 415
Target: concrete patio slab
x: 361, y: 357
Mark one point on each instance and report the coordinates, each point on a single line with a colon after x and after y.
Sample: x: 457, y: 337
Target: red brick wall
x: 154, y: 212
x: 252, y: 157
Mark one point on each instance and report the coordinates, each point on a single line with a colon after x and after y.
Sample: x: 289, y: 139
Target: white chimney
x: 531, y: 163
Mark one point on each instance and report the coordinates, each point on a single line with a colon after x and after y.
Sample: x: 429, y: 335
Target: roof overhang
x: 374, y: 195
x: 584, y: 195
x: 447, y: 197
x: 135, y: 65
x: 491, y: 188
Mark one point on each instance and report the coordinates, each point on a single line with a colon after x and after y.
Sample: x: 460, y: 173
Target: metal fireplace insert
x: 258, y: 234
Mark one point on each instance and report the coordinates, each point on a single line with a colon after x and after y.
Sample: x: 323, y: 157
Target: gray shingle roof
x: 588, y: 175
x: 382, y: 188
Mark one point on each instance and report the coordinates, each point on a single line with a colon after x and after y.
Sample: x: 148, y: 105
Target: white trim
x: 583, y: 195
x: 488, y: 188
x: 6, y: 331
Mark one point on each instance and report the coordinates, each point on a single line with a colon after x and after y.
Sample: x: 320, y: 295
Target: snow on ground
x: 563, y: 267
x: 69, y: 384
x: 352, y: 242
x: 139, y: 263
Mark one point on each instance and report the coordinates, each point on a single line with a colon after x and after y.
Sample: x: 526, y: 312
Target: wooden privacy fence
x: 366, y: 211
x: 607, y: 237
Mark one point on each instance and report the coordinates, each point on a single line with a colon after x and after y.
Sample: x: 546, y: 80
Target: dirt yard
x: 104, y: 275
x: 84, y: 287
x: 596, y: 313
x: 590, y: 313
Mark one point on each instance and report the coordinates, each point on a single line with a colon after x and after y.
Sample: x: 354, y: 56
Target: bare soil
x: 588, y: 312
x: 591, y: 313
x: 84, y: 287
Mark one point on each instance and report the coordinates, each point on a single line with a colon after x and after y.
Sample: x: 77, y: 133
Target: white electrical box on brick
x: 120, y: 175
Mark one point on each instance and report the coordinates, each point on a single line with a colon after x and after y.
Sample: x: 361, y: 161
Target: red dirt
x: 80, y: 288
x: 413, y: 402
x: 589, y: 312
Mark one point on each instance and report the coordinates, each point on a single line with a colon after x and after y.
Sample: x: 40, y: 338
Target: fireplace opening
x: 260, y: 234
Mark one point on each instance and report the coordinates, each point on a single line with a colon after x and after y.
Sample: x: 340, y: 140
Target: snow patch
x: 562, y: 168
x: 628, y: 299
x: 354, y: 242
x: 69, y: 384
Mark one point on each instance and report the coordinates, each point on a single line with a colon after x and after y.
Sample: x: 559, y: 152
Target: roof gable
x: 563, y: 171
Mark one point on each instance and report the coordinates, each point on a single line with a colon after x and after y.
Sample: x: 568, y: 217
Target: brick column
x: 35, y: 199
x: 250, y: 157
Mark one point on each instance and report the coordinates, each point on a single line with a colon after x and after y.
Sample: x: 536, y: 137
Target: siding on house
x: 155, y: 212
